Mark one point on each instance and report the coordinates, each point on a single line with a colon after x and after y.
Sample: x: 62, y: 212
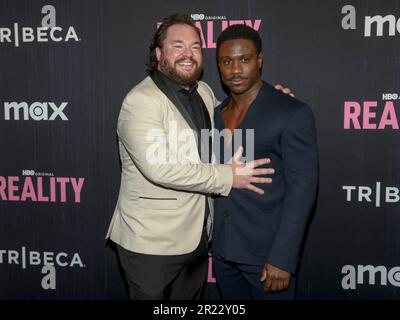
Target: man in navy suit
x: 256, y: 239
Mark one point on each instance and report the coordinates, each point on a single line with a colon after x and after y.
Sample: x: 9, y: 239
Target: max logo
x: 36, y: 111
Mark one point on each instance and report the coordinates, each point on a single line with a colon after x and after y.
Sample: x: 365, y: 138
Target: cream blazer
x: 161, y: 202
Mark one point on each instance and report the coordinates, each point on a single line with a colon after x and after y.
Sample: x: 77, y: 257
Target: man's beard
x: 185, y: 79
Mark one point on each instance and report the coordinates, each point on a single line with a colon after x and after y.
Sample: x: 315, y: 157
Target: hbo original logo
x: 197, y: 16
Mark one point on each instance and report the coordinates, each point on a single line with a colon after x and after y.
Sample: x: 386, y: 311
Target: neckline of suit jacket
x: 155, y: 75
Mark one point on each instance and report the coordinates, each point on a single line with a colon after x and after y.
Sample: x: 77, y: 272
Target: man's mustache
x: 186, y: 60
x: 234, y: 78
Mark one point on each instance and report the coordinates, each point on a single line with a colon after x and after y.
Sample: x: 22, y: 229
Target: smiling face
x: 180, y: 57
x: 240, y: 65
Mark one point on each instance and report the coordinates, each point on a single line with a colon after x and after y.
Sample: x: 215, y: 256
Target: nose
x: 236, y: 67
x: 187, y: 52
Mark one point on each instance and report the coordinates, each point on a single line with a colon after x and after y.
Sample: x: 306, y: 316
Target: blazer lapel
x: 160, y: 83
x: 208, y: 125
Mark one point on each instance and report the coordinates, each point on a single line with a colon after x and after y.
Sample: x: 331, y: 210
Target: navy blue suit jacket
x: 251, y: 228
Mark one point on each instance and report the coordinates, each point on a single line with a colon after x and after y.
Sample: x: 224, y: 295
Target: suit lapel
x: 208, y: 125
x: 171, y: 95
x: 160, y: 83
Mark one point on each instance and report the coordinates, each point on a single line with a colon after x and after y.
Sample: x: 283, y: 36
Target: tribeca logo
x: 355, y: 275
x: 37, y: 111
x: 371, y: 115
x: 40, y: 188
x: 211, y: 26
x: 376, y: 194
x: 349, y: 23
x: 24, y: 258
x: 47, y: 32
x: 48, y: 260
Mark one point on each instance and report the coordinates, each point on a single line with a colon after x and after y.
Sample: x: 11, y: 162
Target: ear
x: 158, y: 53
x: 260, y: 60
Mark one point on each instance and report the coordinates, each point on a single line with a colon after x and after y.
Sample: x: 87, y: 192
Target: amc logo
x: 354, y: 275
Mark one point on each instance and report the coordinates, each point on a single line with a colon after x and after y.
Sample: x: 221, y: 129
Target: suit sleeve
x: 300, y: 163
x: 142, y: 131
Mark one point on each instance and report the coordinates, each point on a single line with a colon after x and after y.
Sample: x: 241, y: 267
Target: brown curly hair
x: 161, y: 34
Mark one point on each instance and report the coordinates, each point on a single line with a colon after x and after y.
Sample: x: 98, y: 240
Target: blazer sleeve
x: 140, y: 122
x: 300, y: 163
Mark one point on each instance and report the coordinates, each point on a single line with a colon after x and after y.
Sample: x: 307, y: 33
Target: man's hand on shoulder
x: 279, y: 87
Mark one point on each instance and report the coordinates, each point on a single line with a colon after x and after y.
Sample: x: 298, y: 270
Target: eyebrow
x: 236, y: 56
x: 180, y: 41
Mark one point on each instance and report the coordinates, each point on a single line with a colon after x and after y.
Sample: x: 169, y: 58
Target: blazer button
x: 226, y: 214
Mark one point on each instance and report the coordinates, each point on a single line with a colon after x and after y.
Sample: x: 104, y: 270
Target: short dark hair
x: 161, y: 34
x: 240, y: 31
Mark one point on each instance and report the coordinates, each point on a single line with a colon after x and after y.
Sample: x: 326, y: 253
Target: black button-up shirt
x: 192, y: 102
x: 197, y: 110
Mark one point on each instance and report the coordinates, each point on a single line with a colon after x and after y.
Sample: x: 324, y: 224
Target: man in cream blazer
x: 161, y: 204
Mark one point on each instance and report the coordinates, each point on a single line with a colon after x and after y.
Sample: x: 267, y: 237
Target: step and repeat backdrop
x: 65, y: 67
